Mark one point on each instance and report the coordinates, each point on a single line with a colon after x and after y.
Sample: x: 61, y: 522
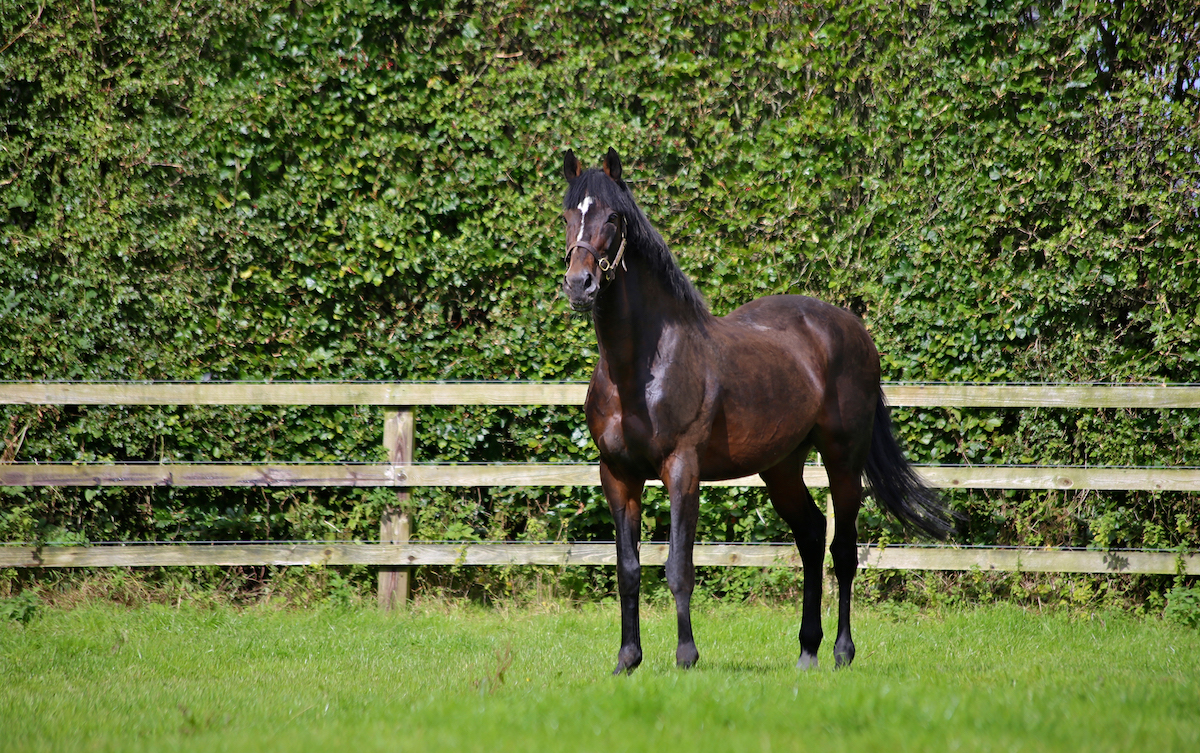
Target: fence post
x: 395, y: 524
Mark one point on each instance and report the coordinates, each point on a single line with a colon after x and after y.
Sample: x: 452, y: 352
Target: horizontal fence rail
x: 506, y: 554
x: 396, y: 554
x: 559, y: 393
x: 565, y: 474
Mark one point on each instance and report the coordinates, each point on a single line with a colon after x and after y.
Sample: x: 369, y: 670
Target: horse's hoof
x: 628, y: 660
x: 843, y: 655
x: 807, y: 661
x: 686, y: 656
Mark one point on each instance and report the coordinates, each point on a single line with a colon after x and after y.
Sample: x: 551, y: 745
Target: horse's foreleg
x: 681, y: 475
x: 625, y: 502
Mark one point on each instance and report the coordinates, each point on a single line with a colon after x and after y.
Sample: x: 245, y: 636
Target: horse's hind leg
x: 846, y: 487
x: 682, y: 478
x: 789, y: 495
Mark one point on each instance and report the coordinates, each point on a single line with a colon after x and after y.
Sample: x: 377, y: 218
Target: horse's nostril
x: 583, y: 282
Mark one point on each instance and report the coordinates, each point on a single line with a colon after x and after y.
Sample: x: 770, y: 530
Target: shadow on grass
x: 735, y: 666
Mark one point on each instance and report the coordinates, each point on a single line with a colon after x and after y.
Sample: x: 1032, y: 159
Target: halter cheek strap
x: 607, y: 268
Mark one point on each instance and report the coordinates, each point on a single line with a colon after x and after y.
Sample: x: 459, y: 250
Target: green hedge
x: 1004, y: 191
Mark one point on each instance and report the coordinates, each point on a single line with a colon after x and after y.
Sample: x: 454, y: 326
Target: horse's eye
x: 613, y: 218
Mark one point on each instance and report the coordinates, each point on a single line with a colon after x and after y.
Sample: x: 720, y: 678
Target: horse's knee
x: 681, y: 575
x: 681, y: 586
x: 629, y: 576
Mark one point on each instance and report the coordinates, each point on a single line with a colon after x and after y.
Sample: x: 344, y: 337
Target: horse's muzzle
x: 581, y: 287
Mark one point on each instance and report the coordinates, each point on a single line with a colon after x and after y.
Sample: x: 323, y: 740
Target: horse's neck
x: 637, y: 317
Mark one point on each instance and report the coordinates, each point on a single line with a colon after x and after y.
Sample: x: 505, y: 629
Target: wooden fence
x: 395, y: 554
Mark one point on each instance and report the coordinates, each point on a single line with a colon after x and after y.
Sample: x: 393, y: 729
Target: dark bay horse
x: 683, y: 396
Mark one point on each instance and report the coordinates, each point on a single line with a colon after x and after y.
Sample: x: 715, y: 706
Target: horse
x: 684, y: 396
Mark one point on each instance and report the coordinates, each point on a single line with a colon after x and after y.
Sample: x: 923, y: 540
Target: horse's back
x: 816, y: 330
x: 791, y: 311
x: 784, y: 365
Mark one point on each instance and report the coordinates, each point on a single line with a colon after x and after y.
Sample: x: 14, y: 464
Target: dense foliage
x: 1004, y: 191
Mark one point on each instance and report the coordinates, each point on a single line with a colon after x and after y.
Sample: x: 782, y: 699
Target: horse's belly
x: 747, y: 439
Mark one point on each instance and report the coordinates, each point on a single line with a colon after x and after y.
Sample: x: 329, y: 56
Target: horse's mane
x: 642, y: 239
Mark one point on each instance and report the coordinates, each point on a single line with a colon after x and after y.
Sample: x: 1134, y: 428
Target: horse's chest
x: 623, y: 436
x: 641, y: 429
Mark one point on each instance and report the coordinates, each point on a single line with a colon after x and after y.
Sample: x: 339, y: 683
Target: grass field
x: 463, y: 678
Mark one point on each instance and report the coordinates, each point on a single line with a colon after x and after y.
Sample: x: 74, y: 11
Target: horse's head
x: 595, y: 229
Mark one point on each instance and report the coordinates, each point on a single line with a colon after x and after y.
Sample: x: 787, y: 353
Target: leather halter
x: 608, y: 269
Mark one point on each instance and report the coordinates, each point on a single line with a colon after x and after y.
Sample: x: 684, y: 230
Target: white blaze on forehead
x: 583, y: 207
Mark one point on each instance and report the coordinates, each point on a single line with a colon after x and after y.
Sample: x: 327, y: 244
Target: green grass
x: 994, y: 678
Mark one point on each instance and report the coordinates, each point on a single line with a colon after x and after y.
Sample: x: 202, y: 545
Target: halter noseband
x: 608, y: 269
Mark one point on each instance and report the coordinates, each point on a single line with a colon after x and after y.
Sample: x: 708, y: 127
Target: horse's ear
x: 571, y: 167
x: 612, y: 165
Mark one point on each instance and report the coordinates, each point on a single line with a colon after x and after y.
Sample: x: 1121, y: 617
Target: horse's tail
x: 896, y: 485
